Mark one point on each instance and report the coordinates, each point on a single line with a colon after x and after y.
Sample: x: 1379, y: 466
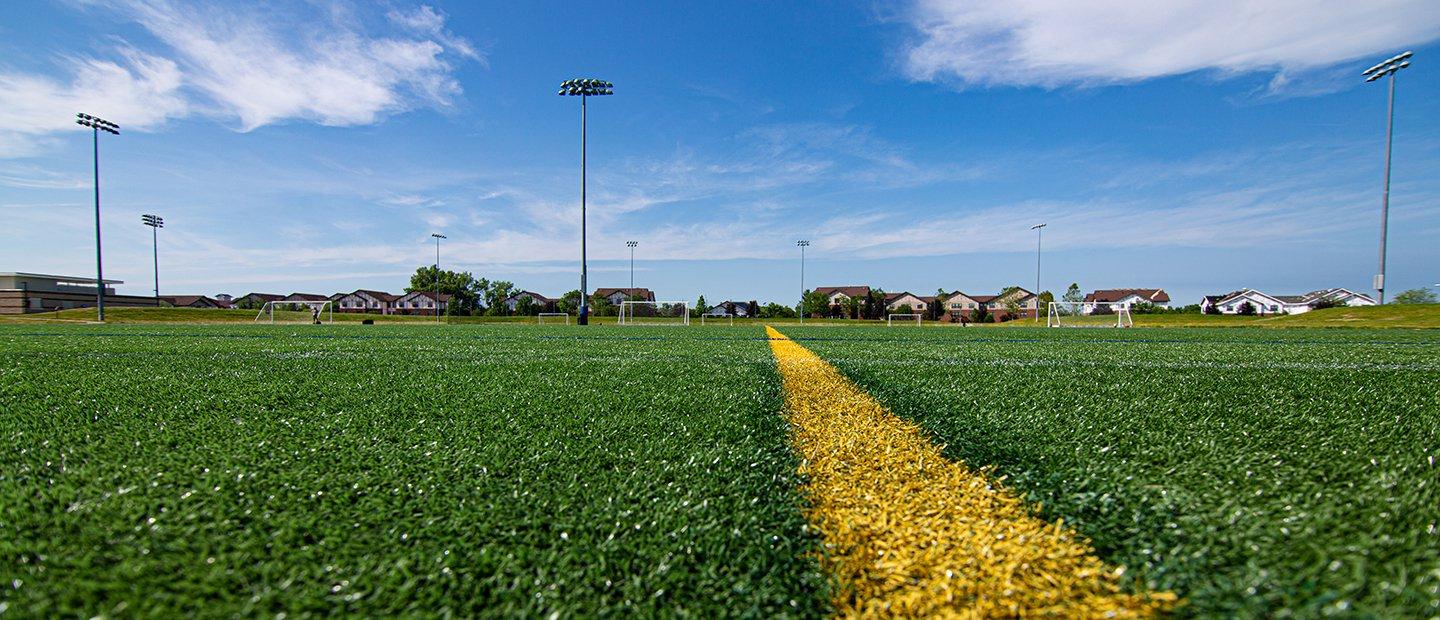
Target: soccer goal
x: 717, y: 319
x: 296, y: 312
x: 1088, y: 314
x: 552, y: 318
x: 892, y: 320
x: 653, y: 313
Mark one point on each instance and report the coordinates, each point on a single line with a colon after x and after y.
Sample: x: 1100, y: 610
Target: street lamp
x: 1388, y: 67
x: 155, y: 223
x: 802, y: 245
x: 1039, y: 231
x: 97, y: 125
x: 584, y: 88
x: 437, y: 237
x: 631, y: 245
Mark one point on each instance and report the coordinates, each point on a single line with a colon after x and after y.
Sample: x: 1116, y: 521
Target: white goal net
x: 552, y: 318
x: 717, y: 319
x: 1088, y: 314
x: 653, y: 313
x: 296, y: 312
x: 892, y: 320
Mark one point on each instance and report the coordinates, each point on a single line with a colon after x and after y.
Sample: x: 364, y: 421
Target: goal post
x: 717, y: 319
x: 552, y: 318
x: 892, y: 320
x: 1088, y: 314
x: 297, y: 312
x: 653, y: 313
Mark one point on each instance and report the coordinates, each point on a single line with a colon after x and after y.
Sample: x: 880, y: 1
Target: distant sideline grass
x: 1404, y: 316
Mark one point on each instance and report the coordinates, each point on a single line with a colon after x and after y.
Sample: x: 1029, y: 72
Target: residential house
x: 838, y: 295
x: 917, y: 304
x: 1027, y: 304
x: 730, y: 308
x: 1231, y: 303
x: 617, y: 295
x: 225, y: 299
x: 420, y: 302
x: 540, y: 300
x: 190, y: 301
x: 363, y: 300
x: 1126, y: 296
x: 959, y: 306
x: 256, y: 300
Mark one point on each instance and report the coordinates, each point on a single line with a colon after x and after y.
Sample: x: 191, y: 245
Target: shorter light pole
x: 437, y: 237
x: 97, y: 125
x: 802, y: 245
x: 631, y: 245
x: 1039, y: 231
x: 155, y: 223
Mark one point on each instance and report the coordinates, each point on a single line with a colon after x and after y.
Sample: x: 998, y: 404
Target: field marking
x: 908, y: 532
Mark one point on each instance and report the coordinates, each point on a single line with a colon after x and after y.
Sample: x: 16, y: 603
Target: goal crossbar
x: 540, y: 318
x: 653, y: 313
x: 727, y: 319
x: 903, y: 318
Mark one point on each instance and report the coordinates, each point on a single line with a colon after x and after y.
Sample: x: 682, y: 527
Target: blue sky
x: 314, y: 146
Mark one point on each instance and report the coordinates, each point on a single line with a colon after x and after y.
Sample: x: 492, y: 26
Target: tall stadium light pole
x: 631, y: 245
x: 1039, y: 231
x: 155, y: 223
x: 97, y: 125
x: 1388, y: 67
x: 802, y: 244
x: 437, y: 237
x: 584, y: 88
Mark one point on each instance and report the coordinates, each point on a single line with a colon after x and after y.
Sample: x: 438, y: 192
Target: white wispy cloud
x: 323, y: 69
x: 139, y: 90
x: 253, y: 64
x: 1053, y: 43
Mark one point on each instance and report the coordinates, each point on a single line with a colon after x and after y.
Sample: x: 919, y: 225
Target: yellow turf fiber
x: 908, y: 532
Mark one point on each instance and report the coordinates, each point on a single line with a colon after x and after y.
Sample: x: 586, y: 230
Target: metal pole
x: 99, y: 263
x: 802, y: 284
x: 584, y: 318
x: 1385, y: 199
x: 1039, y: 233
x: 632, y: 267
x: 437, y: 280
x: 155, y: 245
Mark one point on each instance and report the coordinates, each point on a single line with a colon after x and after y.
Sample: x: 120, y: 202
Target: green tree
x: 853, y: 307
x: 601, y: 306
x: 1042, y: 304
x: 773, y: 310
x: 904, y: 309
x: 937, y: 307
x: 1246, y: 309
x: 462, y: 287
x: 981, y: 314
x: 752, y: 308
x: 700, y: 307
x: 495, y: 296
x: 568, y: 303
x: 814, y: 303
x: 1011, y: 301
x: 526, y: 306
x: 1073, y: 294
x: 1414, y: 296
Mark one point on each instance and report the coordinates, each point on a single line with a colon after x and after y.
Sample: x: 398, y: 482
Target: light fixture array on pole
x: 97, y: 125
x: 1039, y: 231
x: 584, y: 88
x: 631, y: 245
x: 437, y: 237
x: 802, y: 244
x: 155, y: 223
x: 1388, y: 67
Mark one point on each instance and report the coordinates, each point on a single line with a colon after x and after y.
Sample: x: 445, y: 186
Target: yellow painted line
x: 908, y: 532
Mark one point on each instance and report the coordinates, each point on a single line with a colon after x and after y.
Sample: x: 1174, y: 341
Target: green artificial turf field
x: 392, y: 469
x: 1253, y: 472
